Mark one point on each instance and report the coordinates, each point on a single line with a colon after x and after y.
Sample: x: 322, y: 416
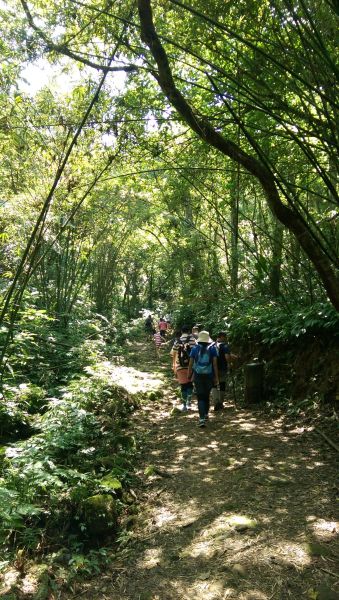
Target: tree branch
x: 202, y: 127
x: 63, y: 49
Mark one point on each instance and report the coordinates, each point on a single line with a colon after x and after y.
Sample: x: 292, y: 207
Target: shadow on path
x: 243, y: 509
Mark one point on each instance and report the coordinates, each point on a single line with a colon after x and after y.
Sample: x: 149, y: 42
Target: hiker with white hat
x: 204, y: 367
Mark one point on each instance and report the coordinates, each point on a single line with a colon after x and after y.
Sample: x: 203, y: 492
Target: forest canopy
x: 193, y: 145
x: 159, y: 158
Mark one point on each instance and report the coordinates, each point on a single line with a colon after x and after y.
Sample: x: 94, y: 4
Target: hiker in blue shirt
x: 204, y: 367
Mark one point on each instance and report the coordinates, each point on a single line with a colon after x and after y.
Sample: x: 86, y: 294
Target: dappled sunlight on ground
x: 233, y: 512
x: 291, y: 553
x: 150, y: 558
x: 247, y: 426
x: 135, y: 380
x: 223, y: 516
x: 324, y: 530
x: 178, y: 515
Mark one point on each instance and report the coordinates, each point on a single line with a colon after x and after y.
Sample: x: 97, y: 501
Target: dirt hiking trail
x: 244, y: 509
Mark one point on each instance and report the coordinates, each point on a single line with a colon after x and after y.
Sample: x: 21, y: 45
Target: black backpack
x: 184, y: 351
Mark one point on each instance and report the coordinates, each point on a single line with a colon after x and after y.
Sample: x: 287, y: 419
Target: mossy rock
x: 80, y: 492
x: 149, y: 471
x: 152, y: 396
x: 100, y: 514
x: 316, y: 549
x: 110, y: 482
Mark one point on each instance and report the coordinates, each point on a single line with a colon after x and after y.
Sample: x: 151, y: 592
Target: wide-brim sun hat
x: 204, y: 336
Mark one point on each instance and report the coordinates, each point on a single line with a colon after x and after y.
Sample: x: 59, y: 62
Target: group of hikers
x: 201, y: 364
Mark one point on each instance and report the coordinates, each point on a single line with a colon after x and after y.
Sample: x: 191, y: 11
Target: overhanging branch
x: 63, y: 48
x: 291, y: 219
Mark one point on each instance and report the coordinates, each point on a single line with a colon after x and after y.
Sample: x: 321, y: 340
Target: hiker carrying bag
x: 203, y: 362
x: 184, y: 354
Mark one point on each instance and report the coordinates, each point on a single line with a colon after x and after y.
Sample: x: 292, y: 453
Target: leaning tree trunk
x: 290, y: 218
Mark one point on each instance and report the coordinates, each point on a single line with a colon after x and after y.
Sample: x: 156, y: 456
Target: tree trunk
x: 150, y: 288
x: 234, y: 232
x: 275, y: 270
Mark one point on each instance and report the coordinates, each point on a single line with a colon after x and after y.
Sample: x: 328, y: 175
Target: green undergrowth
x: 43, y: 353
x: 262, y: 320
x: 67, y: 451
x: 43, y: 356
x: 64, y: 490
x: 273, y: 323
x: 299, y: 349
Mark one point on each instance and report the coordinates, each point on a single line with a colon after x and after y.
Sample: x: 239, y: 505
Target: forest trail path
x: 244, y: 509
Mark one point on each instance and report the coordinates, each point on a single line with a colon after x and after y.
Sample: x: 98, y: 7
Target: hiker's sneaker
x: 184, y: 408
x: 202, y: 423
x: 218, y: 406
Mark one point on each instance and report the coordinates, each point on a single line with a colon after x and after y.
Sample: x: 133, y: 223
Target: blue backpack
x: 203, y: 362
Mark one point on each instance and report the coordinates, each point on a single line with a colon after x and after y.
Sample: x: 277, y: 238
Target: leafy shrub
x: 262, y: 320
x: 91, y: 563
x: 30, y: 396
x: 42, y: 351
x: 271, y: 323
x: 14, y: 418
x: 185, y: 315
x: 31, y: 348
x: 48, y: 478
x: 17, y: 405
